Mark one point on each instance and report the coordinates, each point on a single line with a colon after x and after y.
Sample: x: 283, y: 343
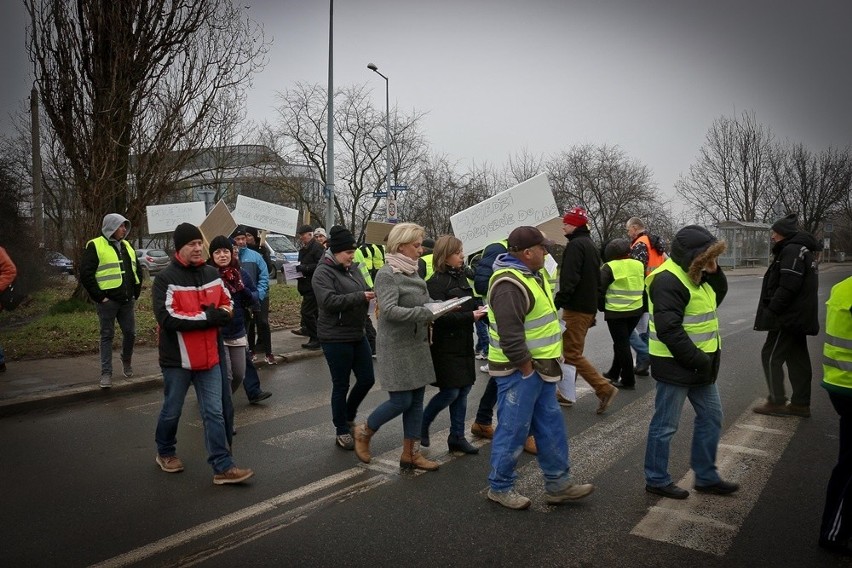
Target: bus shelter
x: 748, y: 243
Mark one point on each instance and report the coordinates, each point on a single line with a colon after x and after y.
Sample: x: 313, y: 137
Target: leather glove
x: 217, y: 316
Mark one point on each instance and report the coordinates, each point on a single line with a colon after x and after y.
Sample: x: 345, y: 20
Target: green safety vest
x: 625, y: 292
x: 837, y: 351
x: 699, y: 317
x: 362, y: 266
x: 110, y: 271
x: 541, y: 326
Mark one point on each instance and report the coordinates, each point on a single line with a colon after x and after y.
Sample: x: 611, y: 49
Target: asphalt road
x: 80, y: 486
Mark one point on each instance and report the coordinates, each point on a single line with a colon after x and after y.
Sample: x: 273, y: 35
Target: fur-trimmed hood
x: 693, y: 247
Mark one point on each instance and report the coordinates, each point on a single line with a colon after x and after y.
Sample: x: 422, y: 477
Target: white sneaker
x: 106, y: 381
x: 510, y: 499
x: 481, y: 356
x: 484, y: 368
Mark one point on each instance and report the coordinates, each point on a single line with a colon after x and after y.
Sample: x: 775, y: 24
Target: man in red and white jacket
x: 191, y: 303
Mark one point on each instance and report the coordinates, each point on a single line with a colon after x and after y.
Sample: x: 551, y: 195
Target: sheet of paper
x: 290, y: 272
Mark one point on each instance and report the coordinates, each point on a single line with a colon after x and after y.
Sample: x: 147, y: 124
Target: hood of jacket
x: 111, y: 223
x: 506, y: 260
x: 693, y: 247
x: 800, y: 238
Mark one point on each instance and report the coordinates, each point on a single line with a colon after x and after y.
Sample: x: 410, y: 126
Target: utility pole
x: 329, y: 166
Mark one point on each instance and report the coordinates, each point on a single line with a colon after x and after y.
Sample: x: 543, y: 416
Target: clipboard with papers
x: 440, y: 308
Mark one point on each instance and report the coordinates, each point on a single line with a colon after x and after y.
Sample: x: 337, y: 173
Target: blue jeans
x: 456, y: 399
x: 528, y: 406
x: 2, y: 355
x: 409, y: 404
x: 351, y: 357
x: 208, y: 389
x: 705, y: 434
x: 481, y: 326
x: 108, y: 313
x: 251, y: 382
x: 639, y: 343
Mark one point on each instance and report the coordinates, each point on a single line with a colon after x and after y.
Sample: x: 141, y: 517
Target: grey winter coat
x: 403, y: 360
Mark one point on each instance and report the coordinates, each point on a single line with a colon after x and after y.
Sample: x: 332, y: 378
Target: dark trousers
x: 345, y: 359
x: 622, y: 358
x: 252, y: 380
x: 485, y: 412
x: 837, y: 516
x: 309, y: 314
x: 258, y: 322
x: 785, y: 348
x: 370, y: 332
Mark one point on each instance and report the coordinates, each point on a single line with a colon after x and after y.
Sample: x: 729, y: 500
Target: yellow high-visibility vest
x: 837, y: 350
x: 699, y: 316
x: 110, y: 271
x: 625, y: 292
x: 541, y: 326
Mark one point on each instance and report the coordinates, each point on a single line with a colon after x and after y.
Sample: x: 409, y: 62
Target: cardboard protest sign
x: 377, y: 232
x: 528, y: 203
x: 218, y: 222
x: 164, y: 218
x: 264, y: 215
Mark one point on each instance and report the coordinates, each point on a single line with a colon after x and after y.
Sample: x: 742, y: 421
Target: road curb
x: 91, y: 391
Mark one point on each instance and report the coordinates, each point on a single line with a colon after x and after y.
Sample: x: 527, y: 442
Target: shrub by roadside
x: 54, y: 326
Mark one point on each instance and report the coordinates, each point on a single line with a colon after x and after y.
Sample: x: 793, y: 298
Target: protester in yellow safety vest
x: 110, y: 273
x: 369, y: 328
x: 836, y: 528
x: 683, y: 294
x: 621, y: 300
x: 374, y: 257
x: 424, y: 263
x: 524, y: 359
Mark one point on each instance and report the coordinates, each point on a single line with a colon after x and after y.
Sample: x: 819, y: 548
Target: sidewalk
x: 44, y: 383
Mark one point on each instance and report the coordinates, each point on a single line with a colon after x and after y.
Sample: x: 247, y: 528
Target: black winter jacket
x: 452, y: 333
x: 340, y: 298
x: 310, y: 256
x: 788, y: 298
x: 689, y: 365
x: 580, y: 274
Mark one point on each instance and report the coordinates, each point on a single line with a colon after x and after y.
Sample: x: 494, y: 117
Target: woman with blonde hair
x: 452, y: 344
x: 402, y: 346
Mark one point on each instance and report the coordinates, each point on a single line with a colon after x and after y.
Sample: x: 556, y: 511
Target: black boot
x: 460, y: 444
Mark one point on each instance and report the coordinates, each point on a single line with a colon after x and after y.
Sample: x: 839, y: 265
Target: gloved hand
x: 217, y: 316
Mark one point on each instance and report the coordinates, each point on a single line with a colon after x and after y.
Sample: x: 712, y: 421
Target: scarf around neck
x: 401, y: 263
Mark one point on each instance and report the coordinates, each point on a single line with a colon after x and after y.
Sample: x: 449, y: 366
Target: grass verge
x: 53, y: 325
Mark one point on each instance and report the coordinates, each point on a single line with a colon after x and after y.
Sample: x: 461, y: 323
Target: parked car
x: 153, y: 259
x: 59, y: 262
x: 281, y: 250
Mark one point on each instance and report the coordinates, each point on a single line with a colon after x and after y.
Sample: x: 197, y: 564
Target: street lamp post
x: 391, y: 198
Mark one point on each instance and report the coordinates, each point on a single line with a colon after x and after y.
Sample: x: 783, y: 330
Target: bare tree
x: 608, y: 184
x: 731, y: 176
x: 522, y: 166
x: 362, y: 150
x: 813, y: 185
x: 141, y: 76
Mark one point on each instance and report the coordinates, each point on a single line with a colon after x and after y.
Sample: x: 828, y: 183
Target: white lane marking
x: 709, y: 523
x: 738, y: 322
x: 230, y: 520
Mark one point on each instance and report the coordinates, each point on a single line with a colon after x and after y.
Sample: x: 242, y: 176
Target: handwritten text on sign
x: 164, y: 218
x: 528, y: 203
x: 265, y: 215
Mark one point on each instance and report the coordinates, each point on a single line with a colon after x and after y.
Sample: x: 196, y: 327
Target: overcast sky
x: 498, y: 76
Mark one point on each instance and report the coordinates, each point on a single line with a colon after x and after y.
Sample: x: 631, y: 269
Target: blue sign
x: 380, y: 194
x: 399, y: 187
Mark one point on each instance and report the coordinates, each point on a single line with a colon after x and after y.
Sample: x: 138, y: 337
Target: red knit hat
x: 576, y: 216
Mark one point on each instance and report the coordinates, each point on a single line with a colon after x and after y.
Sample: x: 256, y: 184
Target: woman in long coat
x: 404, y: 364
x: 452, y: 344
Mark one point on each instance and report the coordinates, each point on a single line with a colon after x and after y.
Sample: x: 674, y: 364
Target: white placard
x: 265, y: 215
x: 528, y: 203
x: 164, y: 218
x: 290, y: 272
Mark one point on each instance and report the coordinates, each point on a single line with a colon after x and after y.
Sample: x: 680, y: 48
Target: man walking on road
x: 110, y: 273
x: 191, y: 303
x: 685, y: 347
x: 524, y: 358
x: 579, y: 282
x: 788, y: 310
x: 8, y: 272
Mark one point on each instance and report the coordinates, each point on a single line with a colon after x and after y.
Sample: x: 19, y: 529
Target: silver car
x: 153, y: 259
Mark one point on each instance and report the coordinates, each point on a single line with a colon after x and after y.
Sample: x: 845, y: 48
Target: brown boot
x: 530, y: 447
x: 771, y: 409
x: 411, y: 457
x: 363, y: 434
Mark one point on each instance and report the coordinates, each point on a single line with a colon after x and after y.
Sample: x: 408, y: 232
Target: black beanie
x: 253, y: 232
x: 185, y: 233
x: 786, y: 226
x: 220, y: 242
x: 340, y: 239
